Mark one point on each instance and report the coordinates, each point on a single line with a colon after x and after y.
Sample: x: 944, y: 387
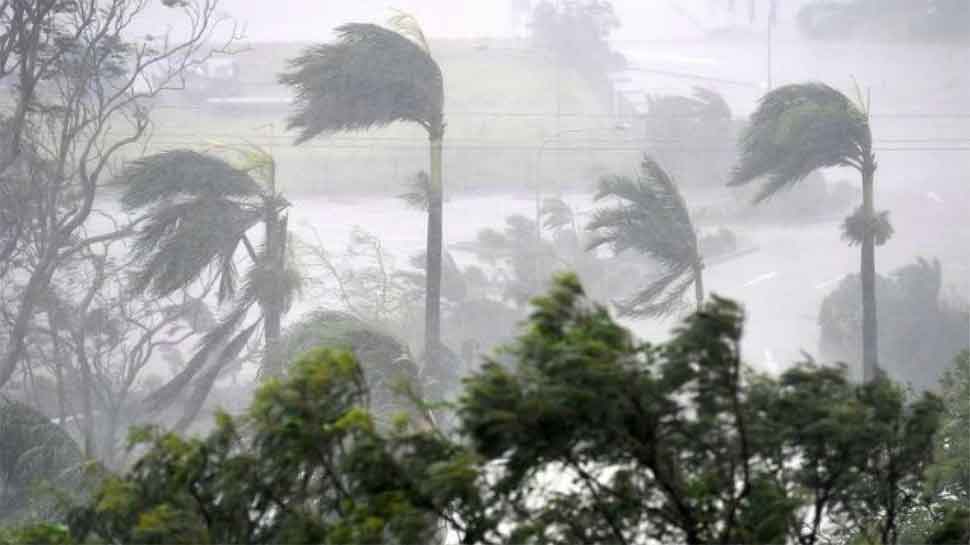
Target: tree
x: 385, y: 362
x: 652, y: 219
x: 199, y: 210
x: 34, y: 451
x: 321, y: 475
x: 798, y: 129
x: 372, y: 77
x: 929, y: 20
x: 676, y: 127
x: 940, y: 514
x: 82, y: 96
x: 97, y: 342
x: 921, y: 328
x: 587, y: 436
x: 577, y: 33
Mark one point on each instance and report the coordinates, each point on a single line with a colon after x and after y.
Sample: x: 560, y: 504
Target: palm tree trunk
x: 870, y: 346
x: 273, y: 308
x: 432, y: 308
x: 699, y: 285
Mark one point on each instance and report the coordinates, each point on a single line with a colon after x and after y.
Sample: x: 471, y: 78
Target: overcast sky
x: 313, y: 19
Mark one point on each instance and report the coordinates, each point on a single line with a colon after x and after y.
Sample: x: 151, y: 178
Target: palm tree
x: 371, y: 77
x: 199, y: 210
x: 651, y: 218
x: 798, y: 129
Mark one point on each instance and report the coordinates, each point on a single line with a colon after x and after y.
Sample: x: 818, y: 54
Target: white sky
x: 302, y: 20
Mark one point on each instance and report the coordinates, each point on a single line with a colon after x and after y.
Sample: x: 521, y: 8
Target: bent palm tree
x: 199, y: 210
x: 798, y: 129
x: 372, y: 77
x: 651, y: 218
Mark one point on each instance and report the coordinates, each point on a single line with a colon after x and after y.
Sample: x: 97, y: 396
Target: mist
x: 197, y: 195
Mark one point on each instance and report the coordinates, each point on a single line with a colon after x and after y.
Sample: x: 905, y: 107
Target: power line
x: 498, y: 147
x: 476, y: 113
x: 357, y: 139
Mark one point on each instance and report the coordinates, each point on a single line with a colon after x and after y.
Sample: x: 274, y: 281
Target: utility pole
x: 768, y: 55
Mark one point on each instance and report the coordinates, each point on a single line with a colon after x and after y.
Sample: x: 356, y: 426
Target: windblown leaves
x: 556, y: 213
x: 419, y: 196
x: 652, y: 219
x: 180, y: 241
x: 170, y: 174
x: 855, y: 227
x: 797, y: 129
x: 371, y: 77
x: 33, y: 450
x: 198, y: 209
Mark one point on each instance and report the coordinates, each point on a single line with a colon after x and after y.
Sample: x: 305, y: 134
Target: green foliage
x: 673, y: 442
x: 951, y: 473
x: 797, y: 129
x: 371, y: 77
x: 167, y: 175
x: 921, y: 331
x: 955, y: 528
x: 35, y: 455
x: 386, y: 362
x: 588, y: 437
x: 855, y: 227
x: 36, y: 534
x: 652, y: 219
x: 198, y: 210
x: 304, y: 465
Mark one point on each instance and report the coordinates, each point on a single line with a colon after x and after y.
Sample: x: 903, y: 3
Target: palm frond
x: 169, y: 174
x: 227, y: 274
x: 651, y: 217
x: 661, y: 297
x: 181, y: 240
x: 268, y: 284
x: 419, y: 197
x: 210, y: 344
x: 250, y: 158
x: 796, y: 130
x: 205, y: 382
x: 556, y: 213
x: 855, y: 226
x: 370, y: 77
x: 406, y: 24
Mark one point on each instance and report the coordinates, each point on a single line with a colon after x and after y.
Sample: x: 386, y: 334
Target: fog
x: 195, y: 192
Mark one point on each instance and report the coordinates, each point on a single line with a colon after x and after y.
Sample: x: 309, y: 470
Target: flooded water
x: 781, y: 284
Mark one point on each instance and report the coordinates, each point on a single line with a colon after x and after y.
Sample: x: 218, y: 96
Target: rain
x: 485, y: 271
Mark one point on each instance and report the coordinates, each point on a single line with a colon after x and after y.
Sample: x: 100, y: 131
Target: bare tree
x: 82, y: 96
x: 97, y: 342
